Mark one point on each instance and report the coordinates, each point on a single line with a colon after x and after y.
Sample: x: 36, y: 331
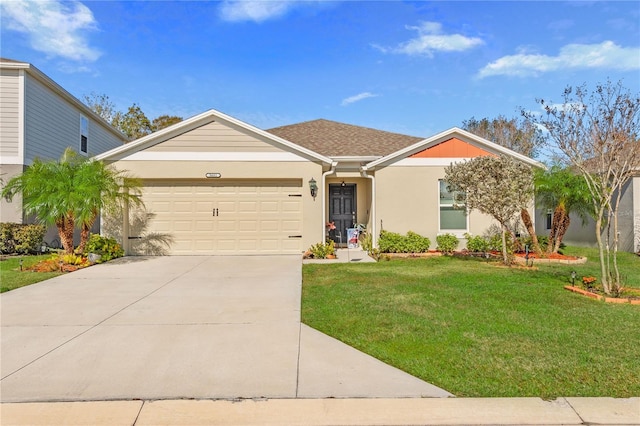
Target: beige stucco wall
x: 10, y: 211
x: 407, y: 199
x: 313, y: 230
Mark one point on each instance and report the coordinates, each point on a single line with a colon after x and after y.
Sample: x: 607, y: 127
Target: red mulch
x: 556, y: 256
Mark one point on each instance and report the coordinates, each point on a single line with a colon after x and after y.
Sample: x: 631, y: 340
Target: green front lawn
x: 11, y: 277
x: 479, y: 330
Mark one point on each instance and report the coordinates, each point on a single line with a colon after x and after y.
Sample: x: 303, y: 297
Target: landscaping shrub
x: 366, y: 242
x: 493, y: 237
x: 392, y: 242
x: 322, y: 250
x: 7, y: 244
x: 476, y: 243
x: 19, y: 238
x: 107, y: 248
x: 447, y: 243
x: 29, y: 238
x: 416, y: 243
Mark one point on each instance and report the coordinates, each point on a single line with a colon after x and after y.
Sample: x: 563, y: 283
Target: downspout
x: 331, y: 171
x: 374, y: 237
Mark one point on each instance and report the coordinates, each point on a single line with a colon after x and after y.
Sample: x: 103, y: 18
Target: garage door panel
x: 204, y: 225
x: 161, y: 206
x: 161, y: 226
x: 291, y: 206
x: 291, y: 245
x: 204, y: 207
x: 183, y: 225
x: 227, y: 226
x: 247, y: 226
x: 183, y: 207
x: 292, y: 225
x: 226, y: 218
x: 269, y: 225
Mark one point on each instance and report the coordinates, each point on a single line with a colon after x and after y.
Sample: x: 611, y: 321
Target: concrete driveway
x: 180, y: 327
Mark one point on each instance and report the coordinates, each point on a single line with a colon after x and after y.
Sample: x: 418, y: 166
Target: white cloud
x: 431, y: 39
x: 358, y: 97
x: 53, y: 27
x: 254, y: 10
x: 572, y: 56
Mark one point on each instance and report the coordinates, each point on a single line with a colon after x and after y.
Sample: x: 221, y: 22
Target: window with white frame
x: 84, y: 135
x: 549, y: 219
x: 453, y: 211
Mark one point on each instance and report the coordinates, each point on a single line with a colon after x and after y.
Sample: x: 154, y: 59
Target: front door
x: 342, y: 209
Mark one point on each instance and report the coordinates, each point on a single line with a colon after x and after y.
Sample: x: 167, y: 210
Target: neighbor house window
x: 453, y: 210
x: 549, y: 219
x: 84, y: 135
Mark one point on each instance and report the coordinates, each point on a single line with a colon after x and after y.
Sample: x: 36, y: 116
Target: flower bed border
x: 408, y: 255
x: 578, y: 261
x: 599, y: 297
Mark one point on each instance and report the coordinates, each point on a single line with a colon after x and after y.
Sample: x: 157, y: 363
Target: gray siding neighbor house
x: 39, y: 119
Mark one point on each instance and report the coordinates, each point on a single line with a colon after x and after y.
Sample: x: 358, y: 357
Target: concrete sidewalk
x: 315, y: 412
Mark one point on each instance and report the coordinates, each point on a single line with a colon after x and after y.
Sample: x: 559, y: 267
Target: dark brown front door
x: 342, y: 209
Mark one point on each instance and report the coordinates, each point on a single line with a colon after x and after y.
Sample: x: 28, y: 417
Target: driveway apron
x: 155, y: 328
x: 193, y: 327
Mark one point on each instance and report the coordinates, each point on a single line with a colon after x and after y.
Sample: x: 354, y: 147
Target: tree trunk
x: 65, y: 231
x: 617, y: 284
x: 558, y: 214
x: 528, y: 223
x: 552, y: 232
x: 84, y: 237
x: 562, y: 229
x: 85, y: 231
x: 505, y: 256
x: 603, y: 268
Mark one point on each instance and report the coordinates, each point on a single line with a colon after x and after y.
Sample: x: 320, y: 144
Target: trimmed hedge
x: 391, y: 242
x: 447, y: 243
x: 19, y: 238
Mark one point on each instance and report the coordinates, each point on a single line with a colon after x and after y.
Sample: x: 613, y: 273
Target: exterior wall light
x: 212, y: 175
x: 313, y: 187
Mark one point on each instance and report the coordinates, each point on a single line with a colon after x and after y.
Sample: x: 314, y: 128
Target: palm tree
x: 102, y: 188
x: 48, y: 193
x: 564, y: 192
x: 72, y: 189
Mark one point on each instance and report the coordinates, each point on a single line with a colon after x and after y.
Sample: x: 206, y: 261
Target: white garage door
x: 259, y: 217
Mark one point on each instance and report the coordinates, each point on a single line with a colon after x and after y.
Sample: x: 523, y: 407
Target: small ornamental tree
x: 498, y: 186
x: 598, y: 132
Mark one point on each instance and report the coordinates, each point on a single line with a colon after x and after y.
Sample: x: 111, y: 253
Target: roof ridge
x: 343, y: 124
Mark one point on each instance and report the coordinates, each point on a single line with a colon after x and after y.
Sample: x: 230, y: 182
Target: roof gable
x: 334, y: 139
x: 214, y: 136
x: 452, y: 148
x: 466, y: 142
x: 211, y: 131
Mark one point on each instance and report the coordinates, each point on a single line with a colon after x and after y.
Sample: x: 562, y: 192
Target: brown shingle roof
x: 334, y: 139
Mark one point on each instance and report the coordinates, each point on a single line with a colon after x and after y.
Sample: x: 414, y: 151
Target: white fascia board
x: 355, y: 159
x: 443, y: 136
x: 197, y: 121
x: 48, y: 82
x: 214, y: 156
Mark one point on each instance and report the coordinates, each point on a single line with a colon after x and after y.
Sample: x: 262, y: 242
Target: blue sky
x: 410, y: 67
